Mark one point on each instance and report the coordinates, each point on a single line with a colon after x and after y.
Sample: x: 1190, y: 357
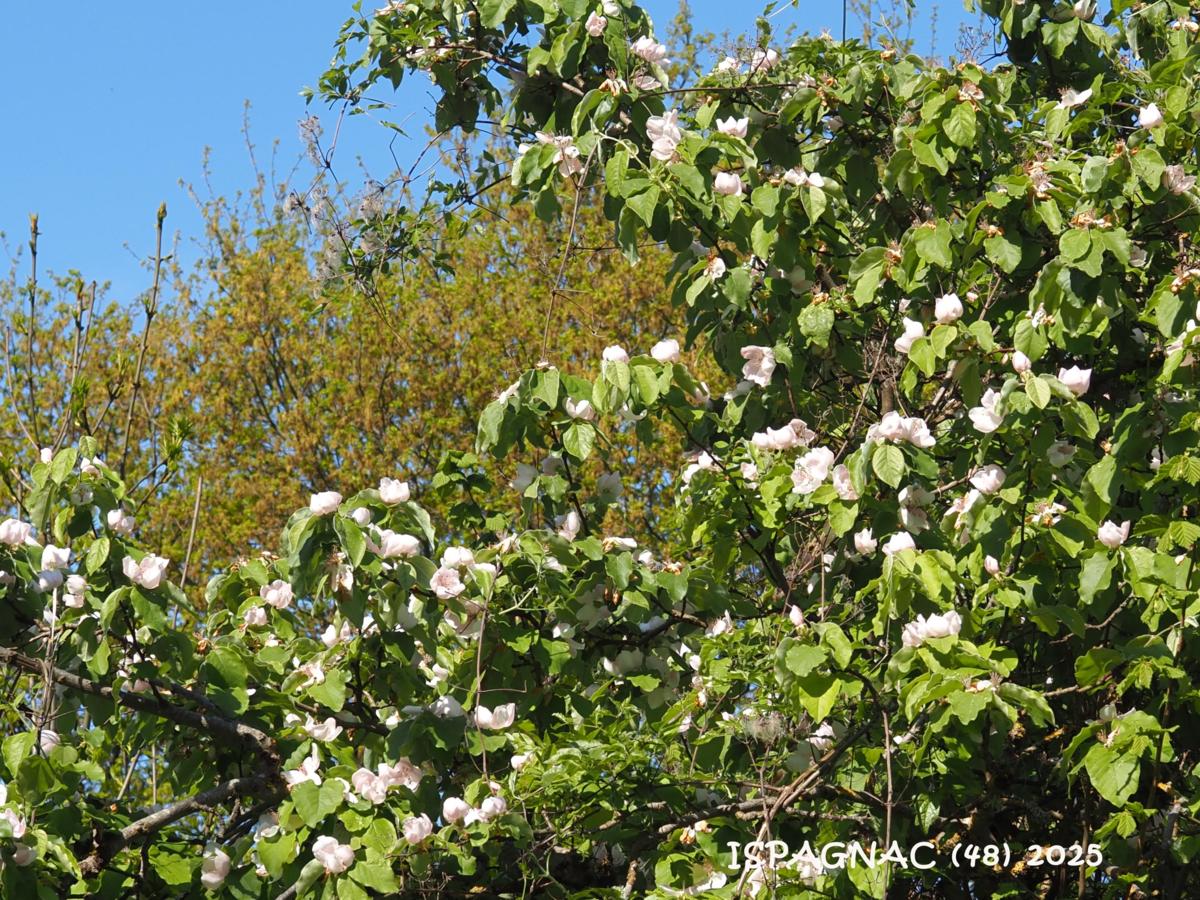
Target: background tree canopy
x: 904, y: 554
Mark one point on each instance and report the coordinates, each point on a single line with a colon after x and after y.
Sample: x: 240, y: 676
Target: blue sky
x: 110, y: 106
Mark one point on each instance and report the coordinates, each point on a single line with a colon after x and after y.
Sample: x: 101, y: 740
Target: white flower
x: 14, y: 532
x: 48, y: 739
x: 322, y: 731
x: 609, y: 487
x: 729, y: 64
x: 393, y: 491
x: 524, y: 478
x: 387, y: 544
x: 822, y: 738
x: 666, y: 351
x: 324, y: 503
x: 912, y: 516
x: 764, y: 60
x: 402, y: 774
x: 49, y: 580
x: 583, y: 410
x: 733, y: 127
x: 962, y: 506
x: 1112, y: 535
x: 491, y: 808
x: 1150, y: 116
x: 843, y: 484
x: 1176, y: 181
x: 728, y: 184
x: 277, y: 594
x: 715, y: 268
x: 335, y: 857
x: 760, y: 363
x: 984, y: 417
x: 991, y: 565
x: 147, y: 573
x: 446, y: 583
x: 865, y: 543
x: 988, y: 479
x: 55, y: 557
x: 496, y: 719
x: 369, y: 786
x: 595, y: 24
x: 947, y: 308
x: 119, y: 522
x: 749, y: 472
x: 566, y: 154
x: 1072, y: 98
x: 416, y: 828
x: 811, y: 470
x: 664, y: 133
x: 895, y: 427
x: 650, y: 50
x: 1021, y: 363
x: 1076, y: 379
x: 912, y: 330
x: 446, y: 707
x: 306, y: 772
x: 796, y: 616
x: 797, y: 177
x: 256, y: 617
x: 1060, y: 453
x: 569, y: 526
x: 901, y: 540
x: 455, y: 809
x: 458, y: 558
x: 361, y: 516
x: 46, y: 455
x: 214, y: 869
x: 936, y: 626
x: 615, y: 353
x: 16, y: 822
x: 703, y: 463
x: 90, y: 466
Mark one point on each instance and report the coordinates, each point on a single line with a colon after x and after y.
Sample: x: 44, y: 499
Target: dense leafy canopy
x: 933, y: 577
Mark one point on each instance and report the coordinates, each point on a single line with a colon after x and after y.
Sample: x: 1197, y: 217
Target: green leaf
x: 1095, y: 575
x: 645, y: 204
x: 960, y: 124
x: 1038, y: 391
x: 927, y: 156
x: 888, y: 463
x: 578, y: 440
x: 816, y: 323
x: 1114, y: 776
x: 933, y: 244
x: 332, y: 691
x: 1002, y: 252
x: 16, y: 748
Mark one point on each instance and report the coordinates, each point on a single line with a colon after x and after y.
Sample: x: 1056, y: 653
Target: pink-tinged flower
x: 119, y: 522
x: 416, y: 828
x: 797, y: 177
x: 666, y: 351
x: 255, y: 617
x: 16, y: 823
x: 566, y: 154
x: 446, y: 707
x: 991, y: 565
x: 1060, y: 453
x: 215, y: 869
x: 369, y: 786
x: 322, y: 731
x: 901, y: 540
x: 1177, y: 181
x: 393, y: 491
x: 650, y: 50
x: 941, y: 625
x: 665, y: 134
x: 520, y: 760
x: 55, y: 557
x: 492, y: 808
x: 947, y: 308
x: 14, y: 532
x: 1072, y: 98
x: 760, y: 363
x: 988, y: 479
x: 1112, y: 535
x: 496, y: 719
x: 796, y: 616
x: 962, y: 506
x: 392, y: 545
x: 615, y: 353
x: 764, y: 60
x: 986, y: 417
x: 843, y: 484
x: 455, y: 809
x: 446, y: 583
x: 277, y: 594
x: 912, y: 330
x: 312, y: 672
x: 595, y: 24
x: 912, y: 516
x: 1150, y: 116
x: 865, y: 543
x: 728, y: 184
x: 91, y: 466
x: 1021, y: 363
x: 335, y: 857
x: 307, y: 771
x: 147, y: 573
x: 646, y: 83
x: 1076, y: 379
x: 458, y: 558
x: 23, y: 855
x: 729, y: 64
x: 402, y: 774
x: 582, y: 410
x: 733, y: 127
x: 811, y: 470
x: 749, y: 472
x: 715, y: 268
x: 361, y: 516
x: 324, y: 503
